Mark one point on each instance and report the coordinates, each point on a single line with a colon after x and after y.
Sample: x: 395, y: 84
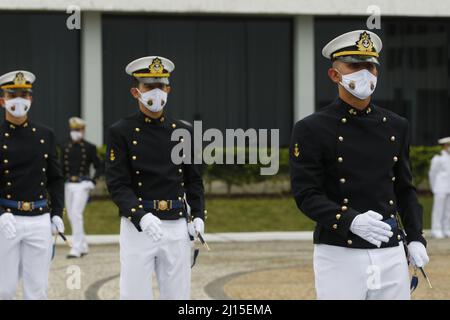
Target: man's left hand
x: 57, y: 225
x: 417, y: 254
x: 197, y: 226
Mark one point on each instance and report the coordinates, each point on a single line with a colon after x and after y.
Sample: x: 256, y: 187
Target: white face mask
x: 76, y: 135
x: 360, y: 84
x: 154, y: 100
x: 18, y: 107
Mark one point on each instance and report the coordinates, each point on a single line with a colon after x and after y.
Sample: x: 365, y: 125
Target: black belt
x: 162, y: 205
x: 77, y: 178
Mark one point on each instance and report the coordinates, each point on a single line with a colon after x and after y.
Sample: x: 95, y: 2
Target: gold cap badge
x: 364, y: 43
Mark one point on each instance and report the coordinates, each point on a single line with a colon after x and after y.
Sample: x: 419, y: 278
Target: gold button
x: 393, y: 138
x: 137, y: 172
x: 341, y: 138
x: 342, y: 180
x: 392, y: 216
x: 133, y: 210
x: 134, y: 142
x: 45, y: 156
x: 6, y: 171
x: 8, y: 184
x: 180, y: 170
x: 181, y: 214
x: 349, y: 242
x: 395, y: 159
x: 162, y: 119
x: 344, y: 208
x: 43, y: 169
x: 345, y: 200
x: 8, y: 196
x: 391, y: 202
x: 182, y: 184
x: 5, y: 161
x: 129, y: 218
x: 181, y: 139
x: 5, y: 146
x: 33, y: 129
x: 335, y: 226
x: 338, y: 216
x: 179, y: 198
x: 8, y: 209
x: 141, y: 206
x: 42, y: 183
x: 399, y: 237
x: 42, y: 140
x: 384, y: 119
x: 139, y: 184
x: 174, y: 125
x: 205, y: 211
x: 6, y: 134
x: 340, y: 159
x: 41, y: 196
x: 140, y: 199
x: 393, y: 179
x: 134, y: 157
x: 343, y: 120
x: 137, y: 129
x: 40, y: 209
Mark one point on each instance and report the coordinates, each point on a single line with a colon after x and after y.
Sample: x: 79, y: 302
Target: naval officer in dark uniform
x: 78, y: 156
x: 350, y: 173
x: 150, y: 190
x: 31, y: 193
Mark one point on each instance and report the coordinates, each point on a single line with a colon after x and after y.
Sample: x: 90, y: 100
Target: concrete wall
x: 439, y: 8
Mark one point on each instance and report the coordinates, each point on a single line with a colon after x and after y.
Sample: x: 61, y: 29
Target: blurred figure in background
x: 439, y: 176
x: 78, y: 156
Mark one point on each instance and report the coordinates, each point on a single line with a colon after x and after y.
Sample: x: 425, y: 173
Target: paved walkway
x: 244, y: 269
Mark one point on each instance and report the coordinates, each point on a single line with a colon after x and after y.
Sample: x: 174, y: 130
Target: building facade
x: 239, y: 64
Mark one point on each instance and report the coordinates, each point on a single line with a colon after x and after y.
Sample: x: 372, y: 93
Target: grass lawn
x: 227, y: 215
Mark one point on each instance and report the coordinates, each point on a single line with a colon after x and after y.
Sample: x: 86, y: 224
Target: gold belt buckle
x: 74, y: 178
x: 26, y: 206
x: 162, y: 205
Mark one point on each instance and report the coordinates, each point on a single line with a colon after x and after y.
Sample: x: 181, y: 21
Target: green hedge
x: 242, y: 174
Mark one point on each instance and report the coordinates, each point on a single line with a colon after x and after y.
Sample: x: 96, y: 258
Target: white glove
x: 151, y: 225
x: 196, y: 226
x: 369, y: 227
x: 88, y: 185
x: 417, y: 254
x: 8, y: 225
x: 57, y: 225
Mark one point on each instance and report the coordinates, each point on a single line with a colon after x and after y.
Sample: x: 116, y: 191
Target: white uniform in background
x: 76, y: 198
x: 439, y: 177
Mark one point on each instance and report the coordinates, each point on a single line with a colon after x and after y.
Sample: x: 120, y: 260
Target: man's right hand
x: 8, y: 225
x: 151, y: 226
x: 369, y: 226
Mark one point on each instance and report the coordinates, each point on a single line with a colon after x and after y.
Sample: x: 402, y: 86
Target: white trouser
x: 76, y: 197
x: 26, y: 256
x: 169, y: 258
x: 359, y: 274
x: 440, y: 217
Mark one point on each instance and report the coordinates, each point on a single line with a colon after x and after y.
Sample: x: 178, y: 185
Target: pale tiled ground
x: 238, y: 270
